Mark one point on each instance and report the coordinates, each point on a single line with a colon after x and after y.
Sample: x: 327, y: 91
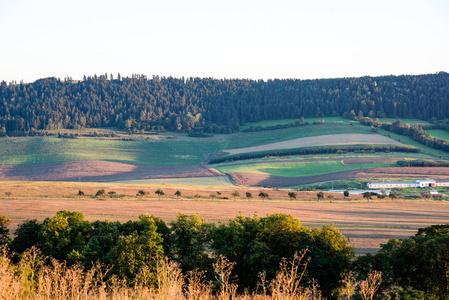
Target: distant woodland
x: 212, y: 105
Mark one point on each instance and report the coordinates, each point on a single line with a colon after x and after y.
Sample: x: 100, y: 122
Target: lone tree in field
x: 159, y: 193
x: 320, y: 195
x: 263, y: 195
x: 292, y: 195
x: 249, y: 195
x: 346, y: 193
x: 367, y: 195
x: 141, y: 193
x: 177, y: 194
x: 100, y: 193
x: 8, y: 194
x: 80, y: 193
x: 235, y: 194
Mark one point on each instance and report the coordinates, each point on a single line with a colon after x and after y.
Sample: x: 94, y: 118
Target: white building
x: 417, y: 183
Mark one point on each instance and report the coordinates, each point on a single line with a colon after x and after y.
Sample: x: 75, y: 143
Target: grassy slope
x: 439, y: 133
x: 288, y: 121
x: 299, y: 169
x: 249, y: 139
x: 23, y: 151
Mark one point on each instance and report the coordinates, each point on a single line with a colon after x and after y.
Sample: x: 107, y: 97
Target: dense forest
x: 212, y: 105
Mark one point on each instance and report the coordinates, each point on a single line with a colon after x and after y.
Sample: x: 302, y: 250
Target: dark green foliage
x: 258, y: 245
x: 318, y: 150
x: 320, y: 195
x: 135, y: 251
x: 263, y: 195
x: 4, y: 231
x: 423, y: 163
x: 346, y: 193
x: 292, y: 195
x: 100, y: 193
x: 420, y: 262
x: 159, y: 193
x: 189, y: 237
x: 212, y: 105
x: 63, y: 234
x: 26, y: 236
x: 141, y: 193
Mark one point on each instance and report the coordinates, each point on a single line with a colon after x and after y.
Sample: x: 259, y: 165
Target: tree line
x: 414, y: 131
x: 371, y: 148
x: 212, y: 105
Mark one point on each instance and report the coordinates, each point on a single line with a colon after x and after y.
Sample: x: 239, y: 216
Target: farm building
x: 414, y: 184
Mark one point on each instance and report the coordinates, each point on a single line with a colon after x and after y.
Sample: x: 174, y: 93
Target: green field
x: 288, y: 121
x: 299, y: 169
x: 439, y: 133
x: 23, y: 151
x: 409, y: 121
x: 327, y: 156
x: 249, y: 139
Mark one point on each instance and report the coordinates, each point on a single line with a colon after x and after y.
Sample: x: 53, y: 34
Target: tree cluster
x: 416, y: 132
x: 317, y: 150
x: 255, y: 244
x: 418, y: 264
x: 212, y: 105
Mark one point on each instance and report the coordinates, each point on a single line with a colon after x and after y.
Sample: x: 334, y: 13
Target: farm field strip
x: 300, y: 169
x: 365, y: 224
x: 322, y: 140
x: 43, y: 150
x: 439, y: 133
x: 192, y: 181
x: 250, y: 139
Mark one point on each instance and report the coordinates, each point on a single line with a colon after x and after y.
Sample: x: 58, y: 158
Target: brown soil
x: 100, y: 171
x: 252, y: 179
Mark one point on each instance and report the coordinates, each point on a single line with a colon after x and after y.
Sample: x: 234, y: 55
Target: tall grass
x: 32, y: 279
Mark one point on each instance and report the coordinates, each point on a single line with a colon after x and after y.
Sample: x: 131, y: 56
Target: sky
x: 255, y: 39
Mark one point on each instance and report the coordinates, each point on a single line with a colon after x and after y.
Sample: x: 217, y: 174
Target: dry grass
x: 28, y: 280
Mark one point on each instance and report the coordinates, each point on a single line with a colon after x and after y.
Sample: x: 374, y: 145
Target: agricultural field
x: 176, y: 159
x: 365, y: 223
x: 268, y: 123
x: 439, y: 133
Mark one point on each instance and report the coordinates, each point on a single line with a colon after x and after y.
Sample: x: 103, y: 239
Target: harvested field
x: 252, y: 179
x: 365, y: 224
x: 100, y: 171
x: 322, y: 140
x: 417, y: 171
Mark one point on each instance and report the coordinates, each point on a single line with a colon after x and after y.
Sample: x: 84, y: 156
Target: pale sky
x: 256, y: 39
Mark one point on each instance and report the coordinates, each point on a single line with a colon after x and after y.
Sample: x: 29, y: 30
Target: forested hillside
x: 212, y: 105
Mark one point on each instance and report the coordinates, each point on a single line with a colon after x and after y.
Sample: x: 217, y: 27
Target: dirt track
x: 100, y: 171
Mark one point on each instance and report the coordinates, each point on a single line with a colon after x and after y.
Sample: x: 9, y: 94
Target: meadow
x: 300, y: 169
x: 439, y: 133
x: 161, y: 151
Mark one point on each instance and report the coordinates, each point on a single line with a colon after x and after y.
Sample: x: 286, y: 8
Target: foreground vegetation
x: 273, y: 257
